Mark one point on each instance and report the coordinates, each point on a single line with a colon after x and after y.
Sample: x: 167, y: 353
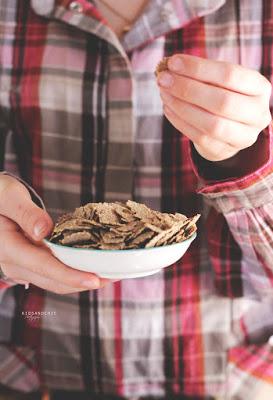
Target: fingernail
x: 165, y: 79
x: 94, y: 284
x: 40, y: 227
x: 175, y: 64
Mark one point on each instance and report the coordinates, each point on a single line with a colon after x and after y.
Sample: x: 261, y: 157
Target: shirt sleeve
x: 4, y: 281
x: 245, y: 205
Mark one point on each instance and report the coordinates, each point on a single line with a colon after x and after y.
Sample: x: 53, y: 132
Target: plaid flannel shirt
x: 81, y: 120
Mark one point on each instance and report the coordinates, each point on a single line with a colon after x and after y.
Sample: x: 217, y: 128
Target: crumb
x: 162, y: 65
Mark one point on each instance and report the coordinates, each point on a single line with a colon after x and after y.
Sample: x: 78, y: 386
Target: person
x: 83, y: 118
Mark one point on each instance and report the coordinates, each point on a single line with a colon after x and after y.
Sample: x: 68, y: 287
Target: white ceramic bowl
x: 121, y: 264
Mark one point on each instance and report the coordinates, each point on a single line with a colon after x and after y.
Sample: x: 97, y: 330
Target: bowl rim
x: 61, y: 246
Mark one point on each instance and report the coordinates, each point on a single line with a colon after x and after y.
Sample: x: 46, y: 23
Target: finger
x: 216, y: 100
x: 17, y: 272
x: 233, y: 133
x: 220, y: 73
x: 16, y: 249
x: 209, y: 148
x: 7, y: 224
x: 16, y: 204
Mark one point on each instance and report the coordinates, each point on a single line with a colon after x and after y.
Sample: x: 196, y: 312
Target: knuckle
x: 218, y: 126
x: 57, y: 290
x: 236, y: 146
x: 244, y: 144
x: 4, y: 252
x: 13, y: 274
x: 9, y: 184
x: 7, y: 224
x: 74, y: 291
x: 245, y: 137
x: 265, y: 119
x: 225, y: 103
x: 197, y: 69
x: 43, y: 270
x: 7, y: 187
x: 58, y: 273
x: 202, y: 141
x: 10, y: 192
x: 247, y: 142
x: 230, y: 154
x: 61, y: 289
x: 230, y: 75
x: 268, y: 118
x: 10, y: 271
x: 6, y: 181
x: 72, y: 282
x: 25, y: 215
x: 224, y: 152
x: 267, y: 86
x: 252, y: 140
x: 186, y: 89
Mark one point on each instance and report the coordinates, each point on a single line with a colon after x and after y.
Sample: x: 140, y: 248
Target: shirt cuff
x: 5, y: 282
x: 248, y: 191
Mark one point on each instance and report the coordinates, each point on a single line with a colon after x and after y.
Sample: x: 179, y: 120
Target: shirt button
x: 270, y: 341
x: 76, y: 7
x: 166, y: 12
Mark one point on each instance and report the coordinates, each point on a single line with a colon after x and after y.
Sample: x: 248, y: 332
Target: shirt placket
x: 118, y: 177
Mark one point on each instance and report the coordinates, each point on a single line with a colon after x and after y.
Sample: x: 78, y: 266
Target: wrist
x: 5, y: 278
x: 241, y: 164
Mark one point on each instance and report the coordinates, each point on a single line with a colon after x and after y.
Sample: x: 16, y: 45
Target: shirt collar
x: 159, y: 17
x: 163, y: 16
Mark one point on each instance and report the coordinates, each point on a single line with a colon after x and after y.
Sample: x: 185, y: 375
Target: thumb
x: 16, y: 204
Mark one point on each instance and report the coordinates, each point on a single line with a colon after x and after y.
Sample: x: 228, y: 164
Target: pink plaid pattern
x: 81, y: 120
